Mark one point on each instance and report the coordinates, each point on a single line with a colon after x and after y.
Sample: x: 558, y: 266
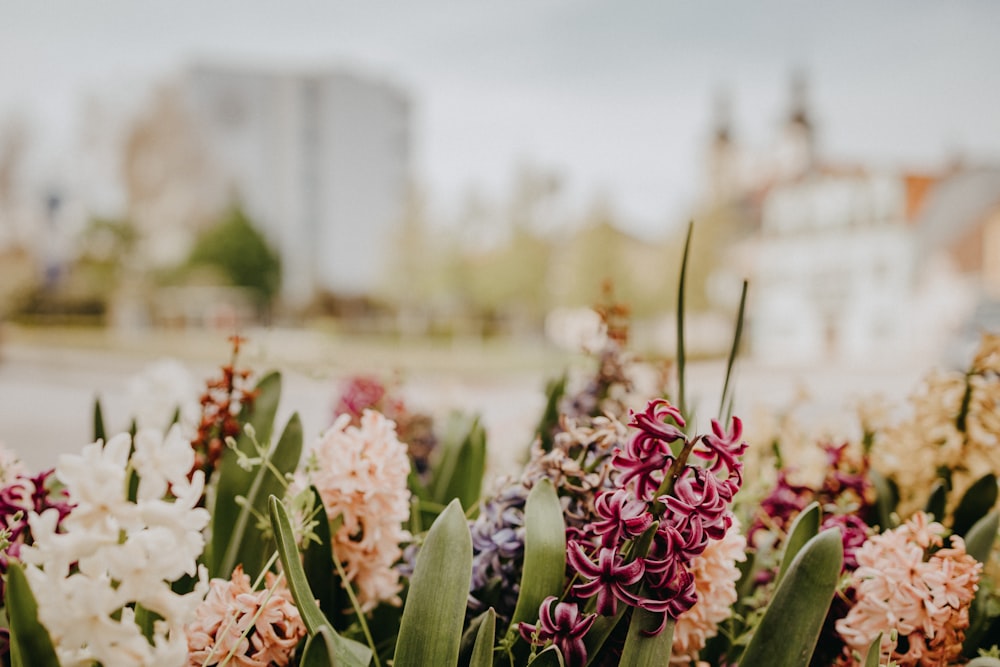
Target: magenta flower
x: 562, y: 624
x: 725, y: 448
x: 608, y: 579
x: 654, y: 433
x: 622, y: 516
x: 646, y: 470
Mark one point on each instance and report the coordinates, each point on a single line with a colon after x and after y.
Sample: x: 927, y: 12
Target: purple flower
x: 725, y: 448
x: 562, y: 624
x: 621, y: 517
x: 607, y: 579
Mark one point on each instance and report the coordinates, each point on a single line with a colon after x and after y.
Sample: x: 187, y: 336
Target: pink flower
x: 361, y: 473
x: 622, y: 517
x: 608, y: 579
x: 562, y: 624
x: 904, y: 583
x: 259, y: 628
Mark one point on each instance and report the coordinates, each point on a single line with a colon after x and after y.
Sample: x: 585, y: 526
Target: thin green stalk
x: 260, y: 610
x: 733, y: 352
x: 357, y: 609
x: 681, y: 400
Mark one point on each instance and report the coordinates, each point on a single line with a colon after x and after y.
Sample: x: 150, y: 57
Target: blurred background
x: 441, y: 191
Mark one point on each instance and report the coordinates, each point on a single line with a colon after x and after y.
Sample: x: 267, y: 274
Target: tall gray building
x: 319, y: 159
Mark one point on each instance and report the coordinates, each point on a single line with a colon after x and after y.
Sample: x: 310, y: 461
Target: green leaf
x: 319, y: 650
x: 431, y: 627
x: 548, y: 657
x: 554, y: 392
x: 30, y: 643
x: 874, y: 652
x: 726, y: 399
x: 804, y: 528
x: 544, y: 553
x: 235, y: 481
x: 463, y: 476
x: 979, y: 540
x: 937, y: 500
x: 886, y: 498
x: 482, y: 652
x: 975, y: 504
x: 600, y: 631
x: 787, y: 634
x: 99, y: 432
x: 248, y: 544
x: 681, y: 399
x: 641, y: 649
x: 317, y: 561
x: 346, y: 652
x: 984, y: 661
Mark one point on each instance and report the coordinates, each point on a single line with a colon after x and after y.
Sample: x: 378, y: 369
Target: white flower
x: 126, y: 553
x: 161, y: 461
x: 162, y: 390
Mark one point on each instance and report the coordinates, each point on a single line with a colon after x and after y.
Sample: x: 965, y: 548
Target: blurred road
x: 47, y: 391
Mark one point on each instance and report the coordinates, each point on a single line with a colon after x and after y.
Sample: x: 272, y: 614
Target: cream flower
x: 361, y: 473
x: 715, y: 576
x: 112, y: 554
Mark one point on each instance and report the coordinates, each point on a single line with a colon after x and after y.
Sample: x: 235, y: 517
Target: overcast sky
x: 617, y: 96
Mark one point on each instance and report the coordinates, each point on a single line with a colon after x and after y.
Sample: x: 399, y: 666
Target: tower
x: 796, y: 150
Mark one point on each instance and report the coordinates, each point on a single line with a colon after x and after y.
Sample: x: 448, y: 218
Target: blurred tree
x: 173, y: 189
x: 240, y: 253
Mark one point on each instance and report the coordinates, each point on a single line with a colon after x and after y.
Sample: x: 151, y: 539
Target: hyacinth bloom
x: 608, y: 579
x: 562, y: 624
x: 907, y: 581
x: 361, y: 474
x: 245, y: 627
x: 693, y: 513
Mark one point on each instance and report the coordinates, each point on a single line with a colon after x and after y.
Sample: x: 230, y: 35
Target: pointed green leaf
x: 346, y: 652
x: 464, y: 480
x: 937, y: 500
x: 886, y: 498
x: 554, y: 392
x: 548, y: 657
x: 544, y: 553
x: 975, y: 504
x: 317, y: 561
x: 979, y: 540
x: 804, y: 528
x: 984, y: 661
x: 727, y: 399
x: 641, y: 649
x: 874, y: 652
x: 30, y: 643
x: 787, y: 634
x: 319, y: 650
x: 234, y: 480
x: 431, y: 627
x: 681, y: 399
x: 247, y: 544
x: 99, y: 433
x: 482, y: 652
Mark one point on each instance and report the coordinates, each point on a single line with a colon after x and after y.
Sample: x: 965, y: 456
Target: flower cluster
x: 907, y: 581
x: 361, y: 474
x: 955, y: 426
x: 117, y: 553
x: 690, y: 505
x: 253, y: 628
x: 416, y: 429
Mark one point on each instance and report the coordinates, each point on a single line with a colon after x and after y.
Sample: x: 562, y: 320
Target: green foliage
x: 641, y: 648
x: 317, y: 561
x: 544, y: 554
x: 235, y: 480
x: 804, y: 528
x: 977, y: 501
x: 789, y: 630
x: 482, y: 651
x: 30, y: 644
x: 431, y: 628
x: 345, y: 652
x: 240, y: 253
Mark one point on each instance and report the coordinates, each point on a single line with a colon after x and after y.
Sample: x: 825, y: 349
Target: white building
x: 320, y: 160
x: 832, y: 269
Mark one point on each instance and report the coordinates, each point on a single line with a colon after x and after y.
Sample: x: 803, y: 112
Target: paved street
x: 47, y: 392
